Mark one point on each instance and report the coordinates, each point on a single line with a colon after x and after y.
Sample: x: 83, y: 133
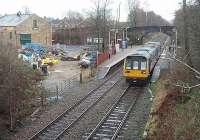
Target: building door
x: 25, y: 38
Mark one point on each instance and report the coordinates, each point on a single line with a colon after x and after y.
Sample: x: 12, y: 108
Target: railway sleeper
x: 103, y: 135
x: 106, y: 130
x: 117, y: 121
x: 110, y: 127
x: 44, y: 138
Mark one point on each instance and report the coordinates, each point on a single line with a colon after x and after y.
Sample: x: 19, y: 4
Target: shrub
x: 17, y: 82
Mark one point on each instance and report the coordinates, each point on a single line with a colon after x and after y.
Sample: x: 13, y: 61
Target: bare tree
x: 17, y: 84
x: 100, y: 18
x: 185, y: 24
x: 72, y: 20
x: 188, y: 25
x: 133, y: 11
x: 146, y: 8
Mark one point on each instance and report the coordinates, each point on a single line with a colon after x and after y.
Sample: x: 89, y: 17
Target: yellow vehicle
x: 139, y: 66
x: 50, y: 61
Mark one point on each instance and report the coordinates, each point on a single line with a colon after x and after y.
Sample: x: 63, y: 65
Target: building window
x: 10, y: 35
x: 35, y: 24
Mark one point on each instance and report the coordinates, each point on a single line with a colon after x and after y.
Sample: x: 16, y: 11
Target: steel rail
x: 35, y: 136
x: 59, y: 135
x: 108, y: 114
x: 124, y: 119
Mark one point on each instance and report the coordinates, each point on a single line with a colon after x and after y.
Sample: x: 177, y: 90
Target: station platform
x: 105, y: 67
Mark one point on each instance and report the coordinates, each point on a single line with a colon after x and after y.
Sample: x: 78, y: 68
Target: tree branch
x: 183, y: 63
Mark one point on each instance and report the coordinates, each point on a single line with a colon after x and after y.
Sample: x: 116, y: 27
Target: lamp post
x: 116, y: 31
x: 146, y: 17
x: 123, y: 35
x: 176, y: 43
x: 109, y: 40
x: 115, y: 38
x: 63, y: 35
x: 127, y: 32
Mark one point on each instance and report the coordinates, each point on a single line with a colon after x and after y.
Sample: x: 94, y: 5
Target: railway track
x: 71, y: 116
x: 111, y: 124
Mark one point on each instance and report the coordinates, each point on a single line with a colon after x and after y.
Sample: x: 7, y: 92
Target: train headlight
x: 143, y: 72
x: 127, y: 71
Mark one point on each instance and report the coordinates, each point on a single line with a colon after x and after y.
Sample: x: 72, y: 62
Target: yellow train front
x: 139, y: 66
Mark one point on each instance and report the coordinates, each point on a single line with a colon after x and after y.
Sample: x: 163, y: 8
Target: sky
x: 58, y: 8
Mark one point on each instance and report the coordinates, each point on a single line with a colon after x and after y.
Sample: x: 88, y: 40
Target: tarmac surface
x: 61, y: 72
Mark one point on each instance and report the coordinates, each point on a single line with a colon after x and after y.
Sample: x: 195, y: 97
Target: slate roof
x: 12, y: 20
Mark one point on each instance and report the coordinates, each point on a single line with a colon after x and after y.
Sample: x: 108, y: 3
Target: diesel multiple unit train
x: 139, y: 66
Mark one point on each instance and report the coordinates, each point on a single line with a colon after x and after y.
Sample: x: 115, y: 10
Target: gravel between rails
x: 71, y: 116
x: 134, y: 127
x: 111, y: 124
x: 50, y: 113
x: 92, y: 118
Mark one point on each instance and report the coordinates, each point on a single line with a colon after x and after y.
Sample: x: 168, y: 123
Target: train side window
x: 135, y: 65
x: 143, y: 65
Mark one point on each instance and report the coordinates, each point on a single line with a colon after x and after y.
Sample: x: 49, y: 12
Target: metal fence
x: 57, y: 88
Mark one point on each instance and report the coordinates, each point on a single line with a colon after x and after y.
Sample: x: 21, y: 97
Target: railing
x: 105, y: 55
x: 56, y: 89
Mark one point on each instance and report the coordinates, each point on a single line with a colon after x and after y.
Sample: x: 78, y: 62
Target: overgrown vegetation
x: 188, y: 114
x: 18, y: 87
x: 175, y: 114
x: 188, y: 126
x: 160, y: 125
x: 192, y: 37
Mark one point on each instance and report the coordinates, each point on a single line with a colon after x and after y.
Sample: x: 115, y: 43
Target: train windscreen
x: 136, y: 63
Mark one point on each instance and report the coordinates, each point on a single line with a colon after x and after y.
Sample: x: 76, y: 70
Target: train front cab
x: 136, y: 70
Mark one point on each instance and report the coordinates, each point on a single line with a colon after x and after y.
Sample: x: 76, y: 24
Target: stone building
x: 19, y: 29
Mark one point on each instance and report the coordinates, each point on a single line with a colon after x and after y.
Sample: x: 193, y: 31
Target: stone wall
x: 6, y: 38
x: 42, y: 34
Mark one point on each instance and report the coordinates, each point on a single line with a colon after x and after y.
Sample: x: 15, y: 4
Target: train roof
x: 145, y: 51
x: 141, y: 54
x: 148, y: 49
x: 153, y: 43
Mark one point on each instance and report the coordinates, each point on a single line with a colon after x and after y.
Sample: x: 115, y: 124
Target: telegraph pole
x: 11, y: 113
x: 185, y: 24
